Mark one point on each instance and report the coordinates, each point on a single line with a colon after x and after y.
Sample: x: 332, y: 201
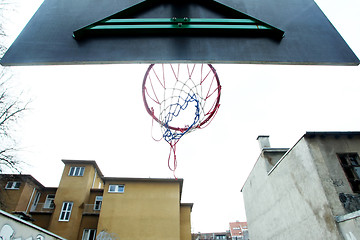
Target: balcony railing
x: 89, y: 209
x: 42, y: 208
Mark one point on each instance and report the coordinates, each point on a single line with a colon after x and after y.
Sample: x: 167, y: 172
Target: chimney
x: 263, y: 141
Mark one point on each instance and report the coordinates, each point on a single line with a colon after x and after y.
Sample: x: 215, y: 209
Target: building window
x: 76, y: 171
x: 116, y: 188
x: 49, y: 202
x: 65, y: 211
x: 12, y: 185
x: 350, y: 163
x: 89, y: 234
x: 98, y: 202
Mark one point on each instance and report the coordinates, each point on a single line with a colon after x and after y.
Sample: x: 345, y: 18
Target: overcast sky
x: 97, y: 113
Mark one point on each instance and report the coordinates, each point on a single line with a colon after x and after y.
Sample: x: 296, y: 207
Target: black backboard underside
x: 309, y: 36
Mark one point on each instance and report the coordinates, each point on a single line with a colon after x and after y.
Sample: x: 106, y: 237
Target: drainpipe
x: 94, y: 179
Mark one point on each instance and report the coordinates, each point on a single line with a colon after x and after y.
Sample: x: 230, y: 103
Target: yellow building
x: 87, y: 205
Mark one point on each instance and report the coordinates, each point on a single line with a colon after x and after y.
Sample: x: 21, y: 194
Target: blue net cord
x: 169, y: 134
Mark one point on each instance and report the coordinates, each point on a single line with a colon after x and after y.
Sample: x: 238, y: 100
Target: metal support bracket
x: 235, y: 24
x: 193, y: 26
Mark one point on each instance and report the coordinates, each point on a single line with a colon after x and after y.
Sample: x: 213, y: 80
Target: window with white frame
x: 76, y: 171
x: 89, y: 234
x: 116, y: 188
x: 98, y: 202
x: 12, y: 185
x: 49, y: 202
x: 66, y: 211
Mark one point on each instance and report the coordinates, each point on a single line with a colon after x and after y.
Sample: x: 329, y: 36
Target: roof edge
x: 129, y: 179
x: 270, y: 149
x: 331, y: 133
x: 187, y: 205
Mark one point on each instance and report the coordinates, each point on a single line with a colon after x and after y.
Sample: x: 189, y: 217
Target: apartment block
x: 239, y: 230
x: 86, y: 205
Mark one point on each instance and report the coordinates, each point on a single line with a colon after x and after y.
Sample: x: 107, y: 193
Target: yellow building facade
x: 87, y: 206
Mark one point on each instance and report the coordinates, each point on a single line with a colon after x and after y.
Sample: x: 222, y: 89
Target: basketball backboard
x: 164, y: 31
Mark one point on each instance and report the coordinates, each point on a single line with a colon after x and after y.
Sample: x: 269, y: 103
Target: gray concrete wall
x: 290, y: 202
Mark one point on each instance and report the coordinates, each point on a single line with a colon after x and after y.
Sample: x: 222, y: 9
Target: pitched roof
x: 23, y: 177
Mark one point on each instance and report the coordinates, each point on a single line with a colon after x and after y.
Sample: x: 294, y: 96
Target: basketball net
x: 181, y: 98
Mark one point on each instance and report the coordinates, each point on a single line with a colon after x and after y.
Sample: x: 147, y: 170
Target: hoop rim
x: 210, y: 115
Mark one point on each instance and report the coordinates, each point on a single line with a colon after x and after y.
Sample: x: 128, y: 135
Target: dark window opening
x: 350, y: 163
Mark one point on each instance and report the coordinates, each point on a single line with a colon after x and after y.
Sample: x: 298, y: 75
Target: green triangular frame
x: 121, y: 23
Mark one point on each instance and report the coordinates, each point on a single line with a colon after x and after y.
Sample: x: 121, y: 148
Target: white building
x: 14, y: 228
x: 310, y: 191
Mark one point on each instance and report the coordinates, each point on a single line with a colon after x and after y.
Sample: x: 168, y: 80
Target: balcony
x: 89, y: 209
x: 43, y: 208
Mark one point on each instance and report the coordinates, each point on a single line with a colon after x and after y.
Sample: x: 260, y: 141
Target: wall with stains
x: 324, y: 150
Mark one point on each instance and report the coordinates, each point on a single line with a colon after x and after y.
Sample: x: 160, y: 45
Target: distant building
x: 211, y: 236
x: 310, y: 191
x: 86, y: 204
x: 239, y: 231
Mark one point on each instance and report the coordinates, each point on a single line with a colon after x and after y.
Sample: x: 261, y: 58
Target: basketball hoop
x: 181, y: 98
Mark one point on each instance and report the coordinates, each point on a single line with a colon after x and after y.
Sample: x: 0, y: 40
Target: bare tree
x: 11, y: 110
x: 11, y: 106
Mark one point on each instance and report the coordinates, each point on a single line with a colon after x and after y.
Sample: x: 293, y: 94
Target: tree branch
x: 11, y: 110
